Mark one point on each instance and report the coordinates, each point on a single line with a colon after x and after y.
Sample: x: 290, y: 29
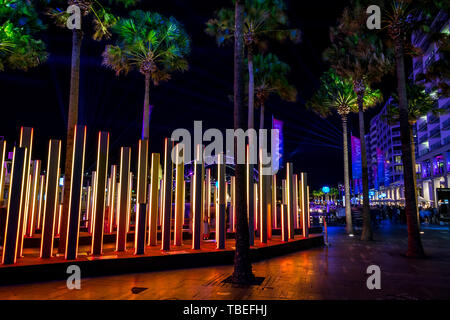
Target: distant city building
x: 384, y: 159
x: 433, y: 132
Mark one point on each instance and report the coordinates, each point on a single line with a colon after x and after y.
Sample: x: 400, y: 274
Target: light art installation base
x: 31, y: 268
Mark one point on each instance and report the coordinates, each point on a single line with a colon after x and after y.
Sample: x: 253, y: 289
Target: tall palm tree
x: 263, y: 20
x: 243, y: 273
x: 399, y: 23
x: 337, y: 94
x: 154, y: 45
x: 97, y: 14
x: 357, y: 54
x: 20, y: 49
x: 420, y: 103
x: 271, y: 78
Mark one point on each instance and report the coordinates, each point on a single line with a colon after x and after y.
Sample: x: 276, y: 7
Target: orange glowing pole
x: 93, y: 195
x: 139, y: 234
x: 76, y: 192
x: 59, y: 219
x: 284, y: 218
x: 167, y: 195
x: 130, y: 193
x: 99, y: 209
x: 122, y: 200
x: 88, y: 203
x: 256, y: 204
x: 51, y: 199
x: 269, y: 206
x: 274, y: 201
x: 153, y: 197
x: 290, y: 199
x: 220, y: 217
x: 26, y: 141
x: 304, y: 204
x: 179, y: 198
x: 233, y: 204
x: 263, y: 201
x: 15, y: 202
x: 208, y: 194
x: 31, y: 223
x: 40, y: 202
x: 2, y: 171
x: 251, y: 199
x: 307, y: 209
x: 197, y: 200
x: 112, y: 199
x: 295, y: 200
x: 142, y: 173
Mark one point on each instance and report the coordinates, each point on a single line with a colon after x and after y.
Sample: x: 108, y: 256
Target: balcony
x: 447, y: 140
x: 423, y: 127
x: 423, y: 138
x: 423, y: 152
x: 446, y: 125
x: 433, y: 119
x: 435, y: 146
x: 435, y: 133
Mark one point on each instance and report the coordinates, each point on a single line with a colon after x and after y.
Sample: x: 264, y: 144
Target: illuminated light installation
x: 305, y: 204
x: 284, y: 216
x: 51, y: 199
x: 2, y: 170
x: 76, y: 192
x: 208, y: 194
x: 139, y: 235
x: 295, y: 200
x: 256, y: 204
x: 153, y: 200
x: 269, y: 206
x: 233, y: 204
x: 197, y: 199
x: 94, y: 192
x: 263, y: 201
x: 122, y: 200
x: 112, y: 199
x: 99, y: 208
x: 141, y: 195
x: 33, y: 195
x: 40, y: 202
x: 15, y: 202
x: 88, y: 203
x: 130, y: 193
x: 290, y: 199
x: 179, y: 196
x: 220, y: 214
x: 26, y: 141
x: 250, y: 200
x: 274, y: 201
x: 167, y: 195
x: 307, y: 208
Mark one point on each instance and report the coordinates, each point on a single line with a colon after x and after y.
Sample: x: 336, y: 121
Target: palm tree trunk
x: 251, y: 90
x: 415, y: 248
x: 261, y: 116
x: 367, y: 227
x: 413, y: 156
x: 147, y: 109
x: 348, y: 208
x: 242, y: 264
x: 77, y: 37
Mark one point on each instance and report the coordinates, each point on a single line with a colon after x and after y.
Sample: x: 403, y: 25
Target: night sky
x: 39, y: 98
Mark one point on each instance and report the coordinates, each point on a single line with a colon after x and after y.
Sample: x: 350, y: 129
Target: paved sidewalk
x: 334, y: 272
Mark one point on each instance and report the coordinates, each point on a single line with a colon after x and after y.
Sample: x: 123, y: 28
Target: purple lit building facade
x: 433, y: 132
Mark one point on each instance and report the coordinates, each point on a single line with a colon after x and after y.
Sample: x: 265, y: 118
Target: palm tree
x: 263, y: 20
x: 337, y: 94
x: 399, y: 24
x: 271, y: 78
x: 242, y: 264
x: 19, y: 47
x: 101, y: 18
x: 154, y: 45
x: 357, y: 54
x: 420, y: 103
